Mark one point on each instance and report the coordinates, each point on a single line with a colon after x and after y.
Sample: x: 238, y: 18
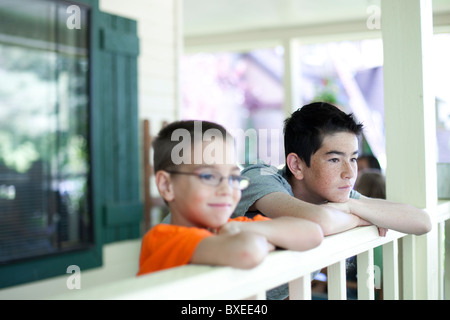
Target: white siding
x: 159, y: 32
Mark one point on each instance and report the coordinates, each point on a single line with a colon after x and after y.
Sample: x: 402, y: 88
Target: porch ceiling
x: 211, y: 17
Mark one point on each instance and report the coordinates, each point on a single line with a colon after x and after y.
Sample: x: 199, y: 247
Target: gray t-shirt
x: 265, y: 179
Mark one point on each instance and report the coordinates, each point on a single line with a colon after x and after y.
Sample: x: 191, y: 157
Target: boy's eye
x: 334, y: 160
x: 206, y: 176
x: 214, y: 179
x: 235, y: 180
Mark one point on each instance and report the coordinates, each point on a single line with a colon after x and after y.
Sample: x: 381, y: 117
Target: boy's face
x: 195, y: 203
x: 333, y: 169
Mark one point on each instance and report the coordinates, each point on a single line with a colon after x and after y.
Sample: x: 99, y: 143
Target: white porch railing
x: 206, y: 282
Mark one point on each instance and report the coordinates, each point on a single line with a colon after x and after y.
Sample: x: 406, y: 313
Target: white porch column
x: 291, y: 77
x: 407, y: 31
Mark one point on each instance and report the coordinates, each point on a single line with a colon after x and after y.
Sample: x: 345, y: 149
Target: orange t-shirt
x: 167, y: 246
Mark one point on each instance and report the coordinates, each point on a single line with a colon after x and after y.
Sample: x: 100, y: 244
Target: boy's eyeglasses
x: 214, y: 179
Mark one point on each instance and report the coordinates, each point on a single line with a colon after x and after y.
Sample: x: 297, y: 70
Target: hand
x: 382, y: 231
x: 341, y: 206
x: 236, y: 227
x: 345, y: 207
x: 232, y: 227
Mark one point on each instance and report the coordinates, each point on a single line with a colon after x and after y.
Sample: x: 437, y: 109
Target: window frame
x: 108, y: 215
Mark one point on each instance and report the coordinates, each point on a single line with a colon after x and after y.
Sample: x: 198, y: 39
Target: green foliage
x: 328, y: 92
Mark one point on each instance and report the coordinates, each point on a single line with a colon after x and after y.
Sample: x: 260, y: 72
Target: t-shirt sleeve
x: 264, y: 179
x: 355, y: 194
x: 257, y: 217
x: 168, y: 246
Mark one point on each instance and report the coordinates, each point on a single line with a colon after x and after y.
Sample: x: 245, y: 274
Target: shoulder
x: 163, y: 232
x: 260, y: 169
x: 262, y: 174
x: 264, y: 179
x: 167, y: 246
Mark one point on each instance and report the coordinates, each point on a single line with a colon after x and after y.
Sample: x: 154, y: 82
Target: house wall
x: 120, y: 261
x: 159, y: 32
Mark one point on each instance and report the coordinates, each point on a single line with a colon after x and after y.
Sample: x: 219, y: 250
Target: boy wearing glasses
x: 197, y: 176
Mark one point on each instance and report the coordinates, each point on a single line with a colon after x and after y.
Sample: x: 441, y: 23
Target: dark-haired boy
x: 321, y: 149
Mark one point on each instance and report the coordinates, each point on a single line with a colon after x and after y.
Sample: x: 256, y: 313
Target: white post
x: 409, y: 268
x: 441, y: 257
x: 337, y: 282
x: 365, y: 271
x: 390, y: 271
x: 407, y: 31
x: 178, y: 54
x: 300, y: 289
x: 291, y: 77
x: 258, y: 296
x: 447, y: 261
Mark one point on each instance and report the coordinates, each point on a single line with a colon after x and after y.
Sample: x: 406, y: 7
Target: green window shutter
x: 114, y: 144
x: 118, y: 124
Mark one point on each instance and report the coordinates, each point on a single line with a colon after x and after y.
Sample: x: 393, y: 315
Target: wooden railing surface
x: 208, y: 282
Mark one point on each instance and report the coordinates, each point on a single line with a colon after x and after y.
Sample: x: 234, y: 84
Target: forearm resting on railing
x: 397, y: 216
x: 330, y: 219
x: 283, y: 232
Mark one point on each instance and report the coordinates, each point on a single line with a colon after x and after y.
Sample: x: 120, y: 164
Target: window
x: 69, y: 143
x: 44, y: 145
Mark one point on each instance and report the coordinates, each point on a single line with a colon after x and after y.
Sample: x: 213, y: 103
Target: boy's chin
x: 339, y: 199
x: 216, y: 224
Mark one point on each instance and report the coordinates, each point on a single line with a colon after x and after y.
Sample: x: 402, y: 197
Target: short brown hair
x: 164, y: 143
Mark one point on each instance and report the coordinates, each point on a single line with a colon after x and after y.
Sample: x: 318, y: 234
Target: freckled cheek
x: 326, y: 177
x: 324, y: 187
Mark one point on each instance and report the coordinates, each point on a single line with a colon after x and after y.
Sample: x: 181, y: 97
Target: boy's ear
x: 295, y: 165
x: 164, y: 185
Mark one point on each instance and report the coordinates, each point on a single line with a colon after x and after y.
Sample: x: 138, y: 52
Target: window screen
x: 44, y: 129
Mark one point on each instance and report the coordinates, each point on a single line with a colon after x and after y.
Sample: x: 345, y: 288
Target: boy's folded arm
x: 286, y: 232
x: 294, y: 233
x: 331, y: 220
x: 391, y: 215
x: 240, y: 250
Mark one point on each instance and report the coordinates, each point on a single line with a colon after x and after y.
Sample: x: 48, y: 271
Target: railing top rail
x: 209, y: 282
x: 228, y: 283
x: 443, y: 210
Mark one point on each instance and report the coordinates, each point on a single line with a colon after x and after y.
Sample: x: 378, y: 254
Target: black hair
x: 305, y: 129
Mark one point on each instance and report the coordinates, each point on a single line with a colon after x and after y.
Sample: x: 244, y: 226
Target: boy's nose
x: 348, y: 171
x: 224, y: 186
